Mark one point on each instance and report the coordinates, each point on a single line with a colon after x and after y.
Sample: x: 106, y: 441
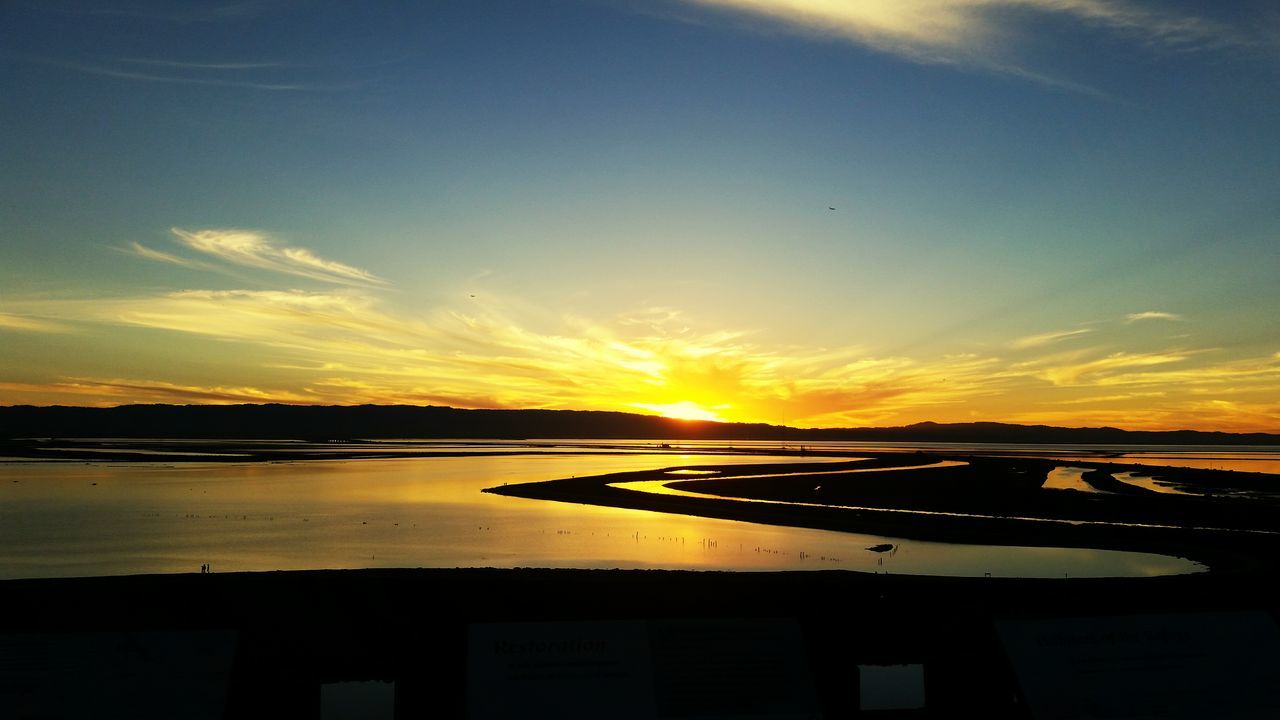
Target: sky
x: 817, y: 213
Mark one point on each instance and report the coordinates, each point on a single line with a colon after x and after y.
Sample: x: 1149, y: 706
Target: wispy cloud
x: 1175, y: 373
x: 1122, y: 397
x: 1232, y: 377
x: 981, y: 33
x: 254, y: 249
x: 347, y: 347
x: 1100, y: 370
x: 1049, y: 338
x: 1226, y: 416
x: 1151, y: 315
x: 186, y: 74
x: 142, y: 251
x: 25, y: 323
x: 347, y: 344
x: 170, y: 12
x: 115, y: 391
x: 204, y: 65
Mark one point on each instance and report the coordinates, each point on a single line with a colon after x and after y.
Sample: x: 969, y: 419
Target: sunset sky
x: 1044, y: 211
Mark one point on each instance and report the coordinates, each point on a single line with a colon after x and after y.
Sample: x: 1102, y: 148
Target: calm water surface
x: 1243, y: 458
x: 78, y: 519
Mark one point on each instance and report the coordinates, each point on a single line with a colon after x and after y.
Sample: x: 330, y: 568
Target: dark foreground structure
x: 581, y: 643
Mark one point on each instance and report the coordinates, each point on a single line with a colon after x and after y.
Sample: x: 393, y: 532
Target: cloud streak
x: 182, y: 13
x: 1049, y: 338
x: 24, y: 323
x: 1096, y: 371
x: 115, y: 391
x: 142, y: 251
x: 1151, y: 315
x: 204, y: 66
x: 344, y: 346
x: 981, y: 33
x: 348, y: 348
x: 254, y: 249
x: 189, y: 77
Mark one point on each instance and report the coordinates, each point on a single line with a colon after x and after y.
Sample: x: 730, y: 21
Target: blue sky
x: 1069, y: 211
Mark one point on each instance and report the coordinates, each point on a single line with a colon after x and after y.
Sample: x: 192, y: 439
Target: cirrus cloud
x: 1151, y: 315
x: 113, y: 391
x: 26, y: 323
x: 1049, y: 338
x: 258, y: 250
x: 347, y: 343
x: 981, y: 33
x: 348, y: 346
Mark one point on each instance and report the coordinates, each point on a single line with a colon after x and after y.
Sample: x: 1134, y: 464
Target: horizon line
x: 683, y: 421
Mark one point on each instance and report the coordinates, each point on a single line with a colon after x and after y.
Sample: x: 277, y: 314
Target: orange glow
x: 683, y: 410
x: 351, y: 346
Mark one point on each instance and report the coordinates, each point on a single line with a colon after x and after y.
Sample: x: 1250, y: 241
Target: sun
x: 683, y: 410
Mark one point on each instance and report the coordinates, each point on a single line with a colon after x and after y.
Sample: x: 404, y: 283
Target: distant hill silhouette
x: 307, y: 422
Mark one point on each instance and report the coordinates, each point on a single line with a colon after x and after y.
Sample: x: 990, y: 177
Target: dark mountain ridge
x: 312, y: 422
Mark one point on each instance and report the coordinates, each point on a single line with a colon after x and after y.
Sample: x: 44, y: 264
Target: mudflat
x: 1225, y: 519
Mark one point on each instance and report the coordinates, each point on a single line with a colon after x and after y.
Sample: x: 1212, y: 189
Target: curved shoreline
x: 1220, y: 549
x: 981, y: 499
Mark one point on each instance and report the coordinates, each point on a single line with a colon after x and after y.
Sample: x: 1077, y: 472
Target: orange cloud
x: 346, y: 345
x: 116, y: 391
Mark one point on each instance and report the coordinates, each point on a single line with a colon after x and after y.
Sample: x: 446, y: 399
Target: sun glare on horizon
x: 684, y: 410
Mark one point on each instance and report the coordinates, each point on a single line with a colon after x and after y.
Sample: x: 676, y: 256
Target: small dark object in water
x: 882, y: 547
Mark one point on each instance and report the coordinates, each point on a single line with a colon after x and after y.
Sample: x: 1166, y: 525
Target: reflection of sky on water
x: 1245, y: 458
x: 1249, y: 458
x: 1069, y: 478
x: 103, y: 519
x: 1148, y: 483
x: 1242, y: 462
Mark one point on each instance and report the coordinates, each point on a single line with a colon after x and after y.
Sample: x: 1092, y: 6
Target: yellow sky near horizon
x: 348, y: 343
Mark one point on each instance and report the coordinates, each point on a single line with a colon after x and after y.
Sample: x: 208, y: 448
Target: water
x: 79, y: 519
x: 1069, y: 478
x: 1149, y: 483
x: 1243, y: 458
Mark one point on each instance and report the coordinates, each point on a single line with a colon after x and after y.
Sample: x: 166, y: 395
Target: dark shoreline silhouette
x: 313, y: 422
x: 988, y: 501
